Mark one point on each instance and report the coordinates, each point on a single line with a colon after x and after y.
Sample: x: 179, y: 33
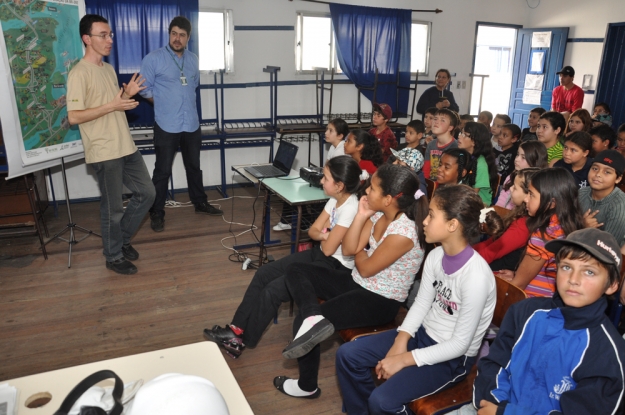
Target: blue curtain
x: 368, y: 38
x: 141, y: 26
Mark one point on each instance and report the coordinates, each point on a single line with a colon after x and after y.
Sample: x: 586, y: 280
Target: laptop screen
x: 285, y: 156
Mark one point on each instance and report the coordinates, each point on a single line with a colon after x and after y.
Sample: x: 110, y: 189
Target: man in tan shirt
x: 96, y: 103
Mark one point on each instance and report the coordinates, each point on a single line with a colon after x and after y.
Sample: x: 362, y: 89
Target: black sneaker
x: 130, y: 253
x: 122, y: 266
x: 220, y: 334
x: 207, y: 209
x: 233, y: 348
x: 157, y: 222
x: 226, y: 339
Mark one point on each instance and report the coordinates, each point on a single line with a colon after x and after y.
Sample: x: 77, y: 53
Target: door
x: 552, y: 60
x: 611, y: 82
x: 492, y: 67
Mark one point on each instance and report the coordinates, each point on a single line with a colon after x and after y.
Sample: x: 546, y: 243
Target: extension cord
x: 246, y: 263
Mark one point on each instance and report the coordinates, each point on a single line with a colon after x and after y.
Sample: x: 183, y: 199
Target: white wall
x: 452, y: 43
x: 586, y: 19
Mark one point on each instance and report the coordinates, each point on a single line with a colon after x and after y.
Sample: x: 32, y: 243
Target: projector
x: 312, y: 175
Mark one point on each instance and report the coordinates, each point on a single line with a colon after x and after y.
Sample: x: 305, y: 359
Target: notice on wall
x: 538, y: 61
x: 534, y: 81
x: 541, y: 39
x: 531, y: 96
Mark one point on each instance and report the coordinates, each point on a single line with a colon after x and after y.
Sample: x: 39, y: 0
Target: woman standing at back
x: 437, y: 96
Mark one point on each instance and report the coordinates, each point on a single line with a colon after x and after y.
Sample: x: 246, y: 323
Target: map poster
x: 40, y: 44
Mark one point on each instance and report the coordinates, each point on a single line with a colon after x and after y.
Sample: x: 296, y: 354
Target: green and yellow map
x: 42, y: 45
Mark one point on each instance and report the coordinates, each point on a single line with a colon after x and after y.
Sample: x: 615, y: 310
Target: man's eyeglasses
x: 103, y: 36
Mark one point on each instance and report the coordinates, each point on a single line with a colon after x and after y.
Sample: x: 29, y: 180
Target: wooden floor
x: 54, y: 317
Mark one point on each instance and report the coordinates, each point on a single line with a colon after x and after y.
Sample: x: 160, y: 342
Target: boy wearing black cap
x: 567, y: 97
x: 381, y: 114
x: 601, y: 202
x: 559, y: 355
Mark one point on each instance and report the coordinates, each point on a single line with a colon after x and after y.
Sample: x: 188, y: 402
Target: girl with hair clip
x: 482, y: 171
x: 267, y: 290
x: 530, y: 154
x: 579, y: 120
x: 508, y: 235
x: 388, y: 222
x: 438, y: 342
x: 366, y: 150
x: 553, y: 213
x: 453, y: 167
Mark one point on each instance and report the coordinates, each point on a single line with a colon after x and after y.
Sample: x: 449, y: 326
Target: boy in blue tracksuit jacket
x: 559, y: 355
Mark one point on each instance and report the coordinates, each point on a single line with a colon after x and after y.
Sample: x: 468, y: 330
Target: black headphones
x: 84, y: 385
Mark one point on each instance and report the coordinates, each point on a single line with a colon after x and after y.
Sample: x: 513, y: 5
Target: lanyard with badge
x: 183, y: 79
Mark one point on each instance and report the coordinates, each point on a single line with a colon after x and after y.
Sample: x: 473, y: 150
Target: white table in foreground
x: 201, y: 359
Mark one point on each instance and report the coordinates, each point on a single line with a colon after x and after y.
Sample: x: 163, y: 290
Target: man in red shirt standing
x: 567, y: 97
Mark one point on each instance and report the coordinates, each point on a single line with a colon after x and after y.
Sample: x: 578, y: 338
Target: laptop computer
x: 282, y: 163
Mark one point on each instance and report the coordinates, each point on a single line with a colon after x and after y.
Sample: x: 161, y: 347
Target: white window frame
x: 228, y: 39
x: 427, y: 49
x: 333, y: 60
x: 299, y: 44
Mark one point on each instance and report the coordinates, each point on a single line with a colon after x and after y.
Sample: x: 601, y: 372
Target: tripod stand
x: 71, y: 226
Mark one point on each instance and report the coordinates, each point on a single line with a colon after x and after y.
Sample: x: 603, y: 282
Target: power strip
x: 246, y: 263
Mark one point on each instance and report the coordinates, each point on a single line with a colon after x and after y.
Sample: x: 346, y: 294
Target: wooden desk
x: 201, y: 359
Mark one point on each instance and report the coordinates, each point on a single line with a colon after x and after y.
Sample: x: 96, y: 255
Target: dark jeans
x: 267, y: 291
x: 355, y: 359
x: 165, y: 147
x: 347, y: 305
x: 118, y: 225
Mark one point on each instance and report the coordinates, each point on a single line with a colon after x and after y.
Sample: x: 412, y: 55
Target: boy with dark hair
x: 464, y: 118
x: 529, y: 133
x: 559, y: 355
x: 428, y: 120
x: 414, y: 135
x: 444, y: 124
x: 603, y: 138
x: 602, y: 203
x: 381, y: 114
x: 508, y: 142
x: 576, y: 157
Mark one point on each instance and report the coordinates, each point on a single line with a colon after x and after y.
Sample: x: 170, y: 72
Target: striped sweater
x: 544, y: 284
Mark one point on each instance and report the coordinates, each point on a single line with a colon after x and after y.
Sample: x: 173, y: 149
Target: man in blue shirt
x: 172, y: 75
